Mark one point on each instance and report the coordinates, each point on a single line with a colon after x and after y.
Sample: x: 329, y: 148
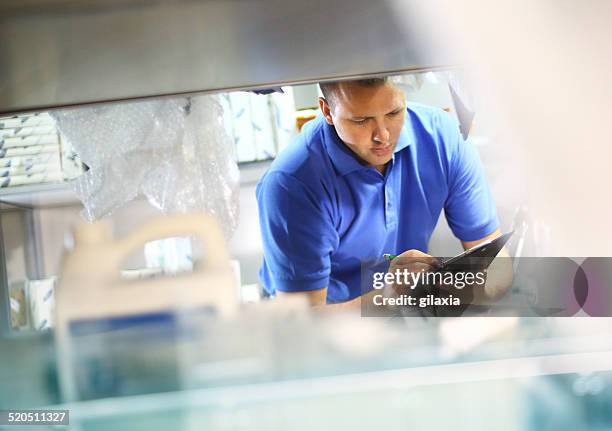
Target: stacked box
x: 260, y: 125
x: 31, y: 152
x: 41, y: 295
x: 39, y: 119
x: 18, y: 305
x: 72, y: 166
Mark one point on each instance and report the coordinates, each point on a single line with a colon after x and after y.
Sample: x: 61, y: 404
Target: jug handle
x: 200, y: 225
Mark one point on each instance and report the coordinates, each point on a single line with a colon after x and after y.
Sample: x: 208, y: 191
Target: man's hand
x: 408, y: 269
x: 412, y: 261
x: 403, y: 280
x: 415, y: 261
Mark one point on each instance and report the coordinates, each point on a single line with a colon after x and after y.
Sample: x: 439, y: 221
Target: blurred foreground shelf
x: 399, y: 396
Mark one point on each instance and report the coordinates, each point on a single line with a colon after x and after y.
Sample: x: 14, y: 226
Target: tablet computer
x: 478, y: 257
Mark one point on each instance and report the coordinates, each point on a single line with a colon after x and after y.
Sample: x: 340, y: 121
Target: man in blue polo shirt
x: 369, y: 176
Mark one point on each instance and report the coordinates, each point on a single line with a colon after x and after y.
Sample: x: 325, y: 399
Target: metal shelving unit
x: 25, y: 200
x: 37, y: 196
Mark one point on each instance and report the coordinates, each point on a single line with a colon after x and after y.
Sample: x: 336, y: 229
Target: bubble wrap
x: 176, y: 152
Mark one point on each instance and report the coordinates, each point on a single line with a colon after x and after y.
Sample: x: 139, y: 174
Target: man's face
x: 367, y: 119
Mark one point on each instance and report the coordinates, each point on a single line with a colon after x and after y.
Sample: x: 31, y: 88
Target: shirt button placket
x: 390, y: 210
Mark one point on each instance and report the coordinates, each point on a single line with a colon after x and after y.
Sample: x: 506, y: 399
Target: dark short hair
x: 329, y: 88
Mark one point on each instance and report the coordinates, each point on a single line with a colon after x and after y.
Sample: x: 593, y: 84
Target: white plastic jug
x: 90, y: 283
x: 91, y: 289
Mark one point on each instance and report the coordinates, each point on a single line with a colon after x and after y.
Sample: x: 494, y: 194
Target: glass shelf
x: 529, y: 369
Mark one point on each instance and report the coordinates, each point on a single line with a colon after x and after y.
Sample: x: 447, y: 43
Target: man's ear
x: 326, y: 110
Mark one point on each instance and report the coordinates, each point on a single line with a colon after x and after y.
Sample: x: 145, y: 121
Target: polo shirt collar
x: 344, y: 159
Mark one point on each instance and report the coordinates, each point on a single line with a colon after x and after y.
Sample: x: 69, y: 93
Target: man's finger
x: 415, y: 256
x: 413, y: 266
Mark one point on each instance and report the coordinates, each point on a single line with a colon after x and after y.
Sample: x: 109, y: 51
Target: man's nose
x: 381, y: 134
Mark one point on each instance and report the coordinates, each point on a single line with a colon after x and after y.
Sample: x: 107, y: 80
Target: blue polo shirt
x: 322, y: 212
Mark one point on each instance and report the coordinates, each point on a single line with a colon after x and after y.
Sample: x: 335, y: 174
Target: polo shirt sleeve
x: 297, y: 233
x: 469, y: 208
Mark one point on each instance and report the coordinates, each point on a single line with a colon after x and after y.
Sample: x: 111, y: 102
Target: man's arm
x: 470, y: 209
x: 411, y: 260
x: 298, y: 236
x: 499, y: 278
x: 317, y: 298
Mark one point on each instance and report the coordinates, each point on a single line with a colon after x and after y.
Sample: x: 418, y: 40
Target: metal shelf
x: 265, y: 43
x: 38, y: 196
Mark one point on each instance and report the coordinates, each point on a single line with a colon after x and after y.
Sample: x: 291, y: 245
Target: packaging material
x: 29, y: 169
x: 26, y: 120
x: 35, y: 178
x: 283, y: 107
x: 41, y: 295
x: 28, y: 131
x: 24, y: 170
x: 260, y: 125
x: 18, y: 305
x: 174, y: 151
x: 31, y: 150
x: 40, y: 159
x: 243, y: 126
x: 163, y: 257
x: 250, y: 293
x: 72, y: 167
x: 171, y: 255
x: 410, y: 82
x: 26, y: 141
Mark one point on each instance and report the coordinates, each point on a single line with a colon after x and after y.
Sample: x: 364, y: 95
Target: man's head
x: 368, y: 116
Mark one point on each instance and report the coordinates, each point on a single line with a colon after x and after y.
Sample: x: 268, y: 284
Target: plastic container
x: 95, y: 305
